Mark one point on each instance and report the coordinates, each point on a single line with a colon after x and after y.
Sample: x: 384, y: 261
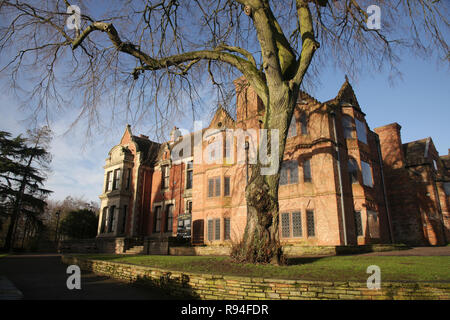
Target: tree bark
x: 261, y: 243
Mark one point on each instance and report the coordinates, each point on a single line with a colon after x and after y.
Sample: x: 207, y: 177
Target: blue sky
x: 419, y: 102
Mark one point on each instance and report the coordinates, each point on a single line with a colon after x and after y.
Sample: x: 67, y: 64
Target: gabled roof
x: 221, y: 119
x: 346, y: 96
x: 148, y: 148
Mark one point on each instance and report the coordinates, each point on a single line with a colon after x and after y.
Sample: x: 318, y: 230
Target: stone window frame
x: 287, y: 168
x: 304, y: 121
x: 377, y: 220
x: 227, y: 228
x: 287, y: 232
x: 165, y: 169
x: 361, y: 125
x: 155, y: 217
x: 227, y: 191
x: 348, y: 126
x: 215, y: 191
x: 309, y: 227
x: 129, y: 175
x: 116, y: 179
x: 353, y: 174
x: 359, y: 228
x: 187, y: 169
x: 307, y: 174
x: 109, y: 181
x: 292, y: 130
x: 364, y: 173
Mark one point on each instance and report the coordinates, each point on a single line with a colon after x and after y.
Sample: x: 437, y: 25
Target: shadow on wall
x: 416, y: 217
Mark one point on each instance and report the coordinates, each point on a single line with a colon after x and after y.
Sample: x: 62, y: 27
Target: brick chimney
x: 391, y: 145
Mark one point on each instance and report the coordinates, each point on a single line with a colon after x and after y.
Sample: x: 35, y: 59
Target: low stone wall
x: 207, y: 286
x: 200, y: 251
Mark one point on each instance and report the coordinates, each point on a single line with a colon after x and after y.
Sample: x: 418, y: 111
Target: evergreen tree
x: 23, y: 163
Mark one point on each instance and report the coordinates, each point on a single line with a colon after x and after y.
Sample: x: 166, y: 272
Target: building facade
x: 334, y: 188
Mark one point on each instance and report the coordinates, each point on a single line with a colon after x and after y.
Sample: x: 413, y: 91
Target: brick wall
x: 207, y: 286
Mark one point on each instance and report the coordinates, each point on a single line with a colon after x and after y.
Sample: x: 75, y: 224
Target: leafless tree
x: 154, y: 54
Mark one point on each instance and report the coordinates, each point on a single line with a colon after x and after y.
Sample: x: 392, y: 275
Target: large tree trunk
x: 261, y: 243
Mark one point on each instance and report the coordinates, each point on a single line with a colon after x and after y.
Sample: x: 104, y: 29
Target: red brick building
x: 417, y: 181
x: 332, y: 188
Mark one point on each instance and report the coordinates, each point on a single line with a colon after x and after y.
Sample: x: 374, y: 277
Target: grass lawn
x: 334, y: 268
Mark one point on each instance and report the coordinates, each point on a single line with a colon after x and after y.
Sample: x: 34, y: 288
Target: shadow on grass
x: 176, y: 287
x: 302, y: 260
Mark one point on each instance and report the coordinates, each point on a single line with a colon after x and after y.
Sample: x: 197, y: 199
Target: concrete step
x: 135, y: 250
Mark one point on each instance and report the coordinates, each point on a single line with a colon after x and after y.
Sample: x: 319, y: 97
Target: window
x: 348, y: 127
x: 189, y: 174
x: 104, y: 214
x: 353, y: 170
x: 373, y: 224
x: 108, y: 181
x: 289, y: 172
x: 214, y: 187
x: 226, y: 228
x: 169, y: 218
x: 217, y: 191
x: 165, y: 177
x: 210, y: 229
x: 307, y: 170
x: 127, y: 187
x: 111, y: 218
x: 157, y: 227
x: 304, y: 124
x: 227, y: 150
x: 217, y: 229
x: 292, y: 131
x: 447, y: 188
x: 116, y: 179
x: 226, y: 186
x: 367, y: 174
x: 435, y: 165
x: 188, y: 207
x: 361, y: 131
x: 285, y: 225
x: 124, y: 220
x: 310, y: 223
x: 296, y: 224
x: 358, y: 224
x: 210, y: 187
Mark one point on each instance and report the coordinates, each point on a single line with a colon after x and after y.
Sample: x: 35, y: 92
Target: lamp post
x: 57, y: 213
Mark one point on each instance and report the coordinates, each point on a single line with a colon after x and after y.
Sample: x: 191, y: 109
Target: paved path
x: 44, y: 277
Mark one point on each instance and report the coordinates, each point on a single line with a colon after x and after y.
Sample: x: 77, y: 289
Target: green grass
x: 2, y: 255
x: 335, y: 268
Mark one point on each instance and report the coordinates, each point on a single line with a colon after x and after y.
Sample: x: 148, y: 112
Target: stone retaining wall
x: 207, y: 286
